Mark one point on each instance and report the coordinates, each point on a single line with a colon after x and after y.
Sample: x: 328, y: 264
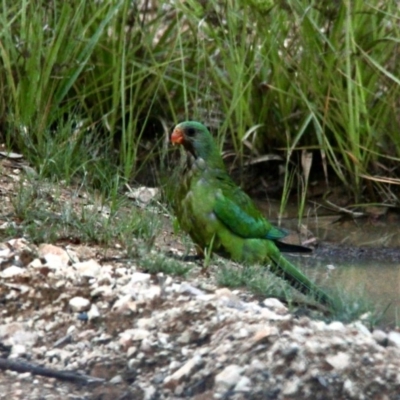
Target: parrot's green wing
x: 243, y: 219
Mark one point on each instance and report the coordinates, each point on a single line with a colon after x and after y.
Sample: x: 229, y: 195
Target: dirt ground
x: 106, y: 327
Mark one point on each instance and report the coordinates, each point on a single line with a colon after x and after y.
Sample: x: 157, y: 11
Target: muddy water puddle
x: 374, y: 280
x: 361, y: 257
x: 356, y: 255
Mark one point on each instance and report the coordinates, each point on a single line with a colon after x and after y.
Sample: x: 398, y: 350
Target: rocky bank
x: 135, y: 335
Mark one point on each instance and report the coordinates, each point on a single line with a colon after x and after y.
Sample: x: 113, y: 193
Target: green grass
x: 347, y: 307
x: 157, y: 262
x: 355, y: 305
x: 257, y: 279
x: 291, y: 75
x: 45, y: 212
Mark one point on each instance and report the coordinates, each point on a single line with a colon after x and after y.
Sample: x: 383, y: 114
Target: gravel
x: 134, y: 335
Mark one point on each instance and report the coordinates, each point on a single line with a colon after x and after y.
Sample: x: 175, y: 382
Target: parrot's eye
x: 190, y: 132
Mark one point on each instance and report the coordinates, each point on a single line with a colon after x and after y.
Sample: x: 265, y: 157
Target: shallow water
x: 375, y: 280
x: 356, y: 255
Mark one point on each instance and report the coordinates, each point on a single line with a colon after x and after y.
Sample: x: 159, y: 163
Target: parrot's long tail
x: 298, y: 280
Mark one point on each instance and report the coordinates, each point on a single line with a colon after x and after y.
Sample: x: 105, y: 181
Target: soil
x: 108, y: 328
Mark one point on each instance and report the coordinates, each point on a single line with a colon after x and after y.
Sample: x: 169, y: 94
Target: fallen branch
x: 21, y: 366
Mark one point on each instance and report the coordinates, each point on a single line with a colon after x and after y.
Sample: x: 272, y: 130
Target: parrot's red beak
x: 177, y: 136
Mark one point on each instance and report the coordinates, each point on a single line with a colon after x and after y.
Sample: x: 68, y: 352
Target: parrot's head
x: 196, y: 139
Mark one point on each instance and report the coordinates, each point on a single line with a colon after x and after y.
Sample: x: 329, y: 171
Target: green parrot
x: 218, y: 215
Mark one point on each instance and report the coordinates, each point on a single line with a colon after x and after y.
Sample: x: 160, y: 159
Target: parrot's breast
x: 199, y: 217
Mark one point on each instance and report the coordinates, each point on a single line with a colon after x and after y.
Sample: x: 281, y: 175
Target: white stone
x: 361, y: 328
x: 298, y: 332
x: 313, y: 346
x: 339, y: 361
x: 17, y: 333
x: 35, y: 263
x: 146, y: 345
x: 335, y: 326
x: 18, y: 244
x: 394, y: 339
x: 140, y: 277
x: 116, y: 379
x: 184, y: 338
x: 11, y: 272
x: 276, y: 305
x: 189, y: 289
x: 131, y: 351
x: 5, y: 252
x: 350, y: 388
x: 380, y: 336
x: 266, y: 333
x: 145, y: 323
x: 18, y: 350
x: 132, y: 335
x: 149, y: 392
x: 318, y: 325
x: 273, y: 316
x: 143, y: 194
x: 55, y: 256
x: 163, y: 339
x: 71, y: 329
x: 229, y: 299
x: 182, y: 372
x: 125, y: 304
x: 79, y: 304
x: 88, y: 269
x: 174, y: 365
x: 26, y: 376
x: 242, y: 333
x: 291, y: 387
x: 228, y: 377
x: 244, y: 384
x: 93, y: 313
x: 104, y: 291
x: 257, y: 365
x: 121, y: 271
x: 151, y: 293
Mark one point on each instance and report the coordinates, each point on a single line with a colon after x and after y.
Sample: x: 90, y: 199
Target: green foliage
x: 45, y: 48
x: 293, y: 74
x: 259, y: 280
x: 73, y: 153
x: 42, y: 214
x: 354, y: 305
x: 95, y: 63
x: 155, y: 263
x: 347, y: 306
x: 317, y: 75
